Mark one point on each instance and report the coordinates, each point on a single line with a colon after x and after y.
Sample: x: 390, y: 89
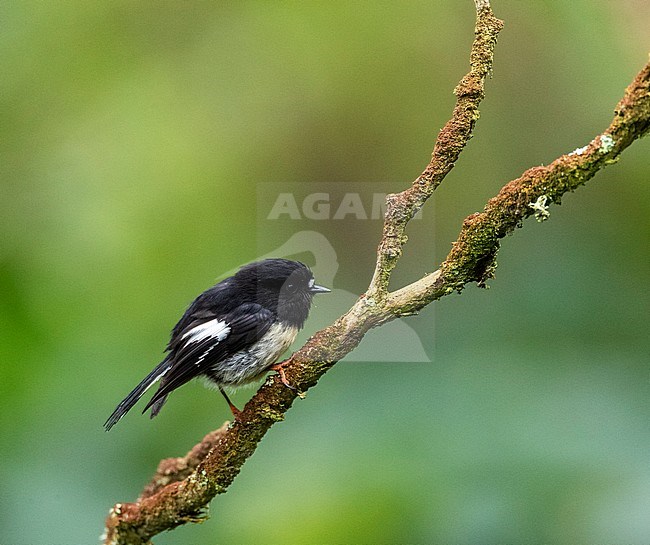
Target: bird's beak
x: 319, y: 289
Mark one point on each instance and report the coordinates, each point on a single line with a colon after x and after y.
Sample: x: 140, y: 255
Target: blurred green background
x: 134, y: 137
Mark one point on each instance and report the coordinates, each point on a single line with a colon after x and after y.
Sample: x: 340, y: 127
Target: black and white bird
x: 232, y: 333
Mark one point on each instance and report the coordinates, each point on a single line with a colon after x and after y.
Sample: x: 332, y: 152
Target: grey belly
x: 249, y: 364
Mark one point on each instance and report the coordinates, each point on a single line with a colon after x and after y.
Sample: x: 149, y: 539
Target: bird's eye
x: 291, y: 288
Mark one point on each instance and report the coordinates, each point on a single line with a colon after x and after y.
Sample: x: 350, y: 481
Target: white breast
x: 276, y: 340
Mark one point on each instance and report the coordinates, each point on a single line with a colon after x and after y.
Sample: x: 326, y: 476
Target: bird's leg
x: 234, y: 410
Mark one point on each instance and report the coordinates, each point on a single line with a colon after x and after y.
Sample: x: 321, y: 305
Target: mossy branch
x: 183, y: 487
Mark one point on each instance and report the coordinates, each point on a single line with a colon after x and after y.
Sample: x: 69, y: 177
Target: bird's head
x: 281, y: 285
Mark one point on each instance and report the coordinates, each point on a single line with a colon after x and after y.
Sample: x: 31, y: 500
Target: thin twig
x: 451, y: 141
x: 471, y: 258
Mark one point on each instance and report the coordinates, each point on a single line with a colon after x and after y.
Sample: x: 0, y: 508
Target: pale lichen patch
x: 579, y: 151
x: 541, y: 208
x: 606, y: 143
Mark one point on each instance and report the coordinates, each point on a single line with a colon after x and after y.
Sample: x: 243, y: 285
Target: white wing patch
x: 216, y: 329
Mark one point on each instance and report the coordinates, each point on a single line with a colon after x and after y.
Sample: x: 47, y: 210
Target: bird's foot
x: 279, y: 369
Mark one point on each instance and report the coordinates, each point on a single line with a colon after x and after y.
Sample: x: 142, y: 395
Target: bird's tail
x: 129, y: 401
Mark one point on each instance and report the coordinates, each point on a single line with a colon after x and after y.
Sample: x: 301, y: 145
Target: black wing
x: 222, y: 297
x: 201, y: 345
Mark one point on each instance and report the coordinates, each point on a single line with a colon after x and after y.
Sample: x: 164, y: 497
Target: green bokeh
x: 134, y: 137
